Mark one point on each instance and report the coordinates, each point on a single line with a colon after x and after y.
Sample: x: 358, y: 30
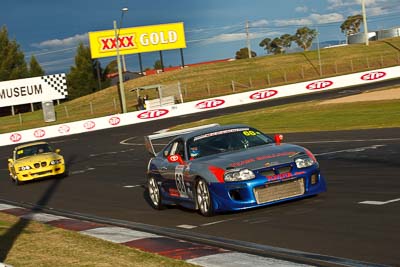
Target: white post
x: 364, y: 14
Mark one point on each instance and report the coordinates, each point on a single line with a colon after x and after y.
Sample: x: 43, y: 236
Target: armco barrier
x: 199, y: 106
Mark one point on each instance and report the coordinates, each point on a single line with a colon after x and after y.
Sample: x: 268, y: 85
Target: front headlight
x: 235, y: 175
x: 24, y: 168
x: 304, y: 162
x: 55, y: 161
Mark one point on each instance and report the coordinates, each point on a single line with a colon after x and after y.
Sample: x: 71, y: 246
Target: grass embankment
x: 210, y: 80
x: 312, y: 116
x: 34, y: 244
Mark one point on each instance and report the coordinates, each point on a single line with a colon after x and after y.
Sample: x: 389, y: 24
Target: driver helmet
x: 194, y: 151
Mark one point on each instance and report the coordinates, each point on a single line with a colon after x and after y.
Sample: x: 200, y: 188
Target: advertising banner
x: 33, y: 90
x: 137, y: 40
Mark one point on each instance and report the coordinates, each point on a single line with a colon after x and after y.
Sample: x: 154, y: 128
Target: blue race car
x: 217, y: 168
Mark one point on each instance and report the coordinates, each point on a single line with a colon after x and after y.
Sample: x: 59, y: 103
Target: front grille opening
x: 235, y: 194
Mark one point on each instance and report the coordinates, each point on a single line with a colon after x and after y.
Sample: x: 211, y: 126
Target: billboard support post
x: 121, y: 80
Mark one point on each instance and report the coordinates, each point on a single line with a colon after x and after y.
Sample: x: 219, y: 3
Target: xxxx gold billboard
x: 137, y: 40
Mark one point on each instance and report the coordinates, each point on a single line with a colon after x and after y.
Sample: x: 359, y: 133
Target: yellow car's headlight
x: 24, y: 168
x: 55, y: 161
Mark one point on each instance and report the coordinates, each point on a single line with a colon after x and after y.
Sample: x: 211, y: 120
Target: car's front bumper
x: 259, y: 192
x: 32, y: 174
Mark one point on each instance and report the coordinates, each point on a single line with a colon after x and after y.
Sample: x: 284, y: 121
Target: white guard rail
x: 162, y: 112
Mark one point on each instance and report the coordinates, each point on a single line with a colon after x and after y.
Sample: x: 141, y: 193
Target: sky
x: 214, y: 29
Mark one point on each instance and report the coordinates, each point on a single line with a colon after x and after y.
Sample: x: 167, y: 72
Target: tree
x: 278, y: 45
x: 12, y: 59
x: 82, y: 78
x: 35, y: 69
x: 157, y: 65
x: 352, y: 24
x: 243, y: 53
x: 304, y: 37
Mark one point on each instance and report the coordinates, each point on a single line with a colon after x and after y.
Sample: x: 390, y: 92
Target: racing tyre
x: 155, y: 195
x: 203, y: 198
x: 16, y: 181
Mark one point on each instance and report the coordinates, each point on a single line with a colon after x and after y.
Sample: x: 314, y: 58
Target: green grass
x: 314, y: 116
x: 35, y: 244
x: 216, y: 79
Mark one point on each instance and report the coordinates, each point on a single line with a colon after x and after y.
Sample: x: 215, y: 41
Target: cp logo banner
x: 137, y: 40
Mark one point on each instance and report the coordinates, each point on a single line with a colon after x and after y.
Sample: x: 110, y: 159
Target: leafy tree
x: 157, y: 65
x: 278, y: 45
x: 304, y: 37
x: 82, y: 78
x: 35, y: 69
x: 266, y: 43
x: 243, y: 53
x: 352, y: 24
x: 12, y: 59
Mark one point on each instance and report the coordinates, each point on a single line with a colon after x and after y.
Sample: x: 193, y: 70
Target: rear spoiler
x: 148, y: 140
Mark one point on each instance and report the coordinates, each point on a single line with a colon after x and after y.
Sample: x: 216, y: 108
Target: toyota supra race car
x: 35, y: 160
x: 217, y: 168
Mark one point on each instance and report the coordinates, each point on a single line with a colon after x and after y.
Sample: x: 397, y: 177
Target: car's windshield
x: 32, y: 150
x: 226, y: 140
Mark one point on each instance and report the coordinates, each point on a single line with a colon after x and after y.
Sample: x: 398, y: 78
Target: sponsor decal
x: 212, y: 103
x: 15, y: 137
x: 263, y: 94
x: 173, y: 158
x: 39, y: 133
x: 89, y: 125
x: 281, y: 176
x: 319, y: 85
x: 63, y: 129
x: 220, y: 132
x: 264, y: 157
x: 173, y: 192
x: 114, y: 121
x: 151, y: 114
x: 123, y: 42
x: 375, y: 75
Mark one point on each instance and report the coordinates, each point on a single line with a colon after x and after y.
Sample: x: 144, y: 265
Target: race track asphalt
x: 358, y: 218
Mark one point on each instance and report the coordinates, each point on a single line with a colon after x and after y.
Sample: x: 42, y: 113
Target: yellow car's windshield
x: 32, y: 150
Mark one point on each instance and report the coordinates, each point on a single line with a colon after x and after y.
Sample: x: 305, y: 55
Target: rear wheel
x: 154, y: 193
x: 203, y: 198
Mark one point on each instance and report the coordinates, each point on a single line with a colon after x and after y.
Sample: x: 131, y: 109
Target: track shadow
x: 8, y: 239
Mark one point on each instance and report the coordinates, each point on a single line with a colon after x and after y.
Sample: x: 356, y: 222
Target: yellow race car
x: 35, y: 160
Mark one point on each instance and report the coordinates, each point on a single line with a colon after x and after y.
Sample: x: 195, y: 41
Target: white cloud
x: 311, y: 19
x: 301, y: 9
x: 326, y: 18
x: 291, y: 22
x: 231, y: 37
x: 60, y: 43
x: 259, y: 23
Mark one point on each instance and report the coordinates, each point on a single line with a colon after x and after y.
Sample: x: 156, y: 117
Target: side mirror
x: 175, y: 158
x: 58, y: 151
x: 278, y: 139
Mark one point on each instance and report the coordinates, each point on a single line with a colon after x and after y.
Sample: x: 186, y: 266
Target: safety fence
x: 265, y: 94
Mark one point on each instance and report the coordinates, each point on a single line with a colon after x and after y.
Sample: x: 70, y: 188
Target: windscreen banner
x: 33, y: 90
x: 137, y: 40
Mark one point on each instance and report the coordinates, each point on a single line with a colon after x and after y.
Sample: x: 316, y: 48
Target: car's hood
x: 255, y: 157
x: 37, y: 158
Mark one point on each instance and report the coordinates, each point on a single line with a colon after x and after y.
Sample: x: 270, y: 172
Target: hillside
x: 223, y: 78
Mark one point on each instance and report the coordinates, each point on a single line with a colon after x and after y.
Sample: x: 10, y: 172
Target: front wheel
x: 203, y: 198
x: 155, y: 194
